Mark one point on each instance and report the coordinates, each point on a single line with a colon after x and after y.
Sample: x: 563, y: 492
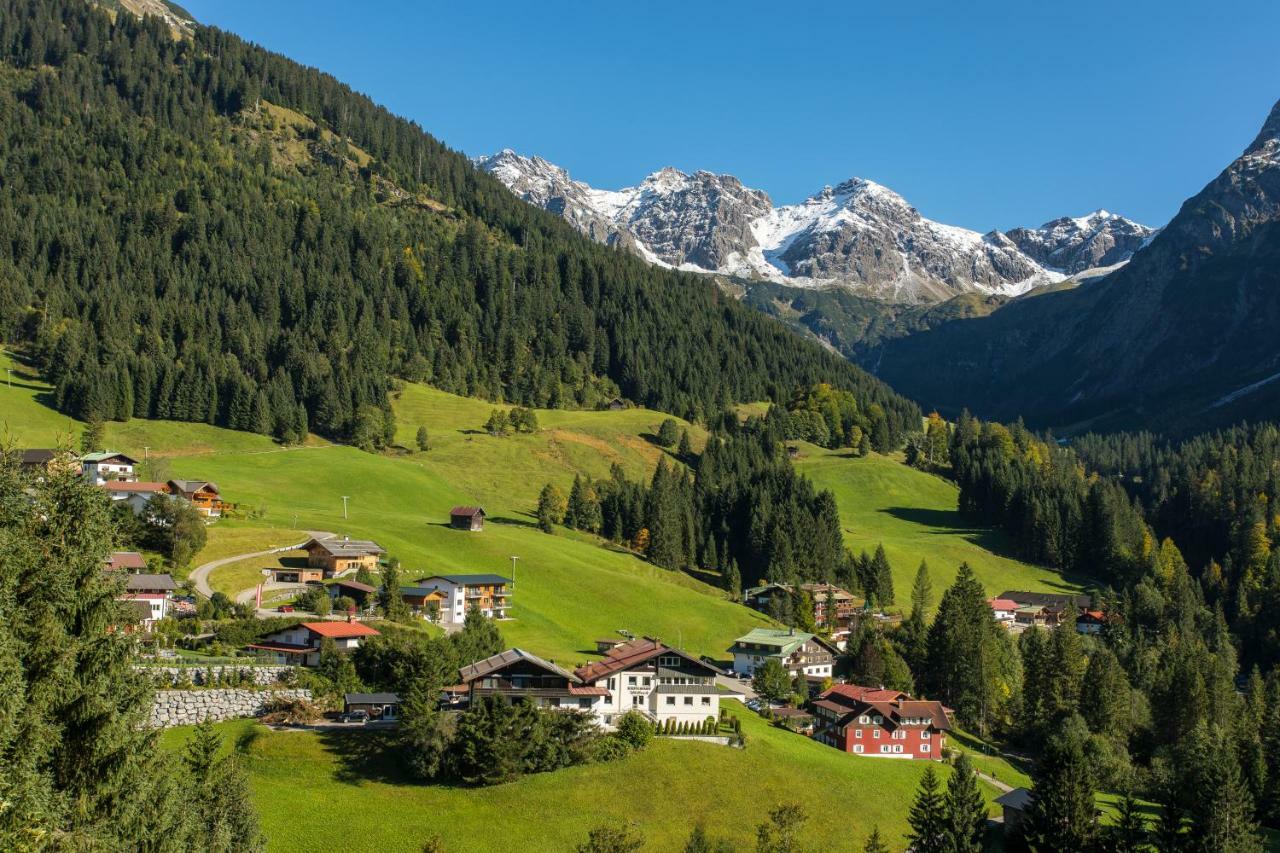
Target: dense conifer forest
x: 178, y: 246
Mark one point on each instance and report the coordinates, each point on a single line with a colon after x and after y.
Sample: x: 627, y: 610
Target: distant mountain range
x: 1186, y: 335
x: 858, y: 235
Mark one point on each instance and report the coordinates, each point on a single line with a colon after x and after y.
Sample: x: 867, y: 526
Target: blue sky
x: 982, y: 114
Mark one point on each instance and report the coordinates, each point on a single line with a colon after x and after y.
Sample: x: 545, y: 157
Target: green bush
x: 635, y: 730
x: 612, y: 748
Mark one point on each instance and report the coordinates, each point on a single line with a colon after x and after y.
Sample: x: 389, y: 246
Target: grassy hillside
x: 660, y: 792
x: 914, y: 514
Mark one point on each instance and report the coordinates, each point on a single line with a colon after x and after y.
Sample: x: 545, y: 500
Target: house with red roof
x: 1091, y: 622
x: 1004, y: 610
x: 879, y: 722
x: 300, y: 644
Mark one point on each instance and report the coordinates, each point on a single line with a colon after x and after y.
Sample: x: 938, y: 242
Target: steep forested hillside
x: 197, y: 229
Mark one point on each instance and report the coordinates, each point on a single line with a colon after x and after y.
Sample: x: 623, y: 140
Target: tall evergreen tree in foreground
x: 1062, y: 814
x: 79, y: 768
x: 928, y: 817
x: 964, y: 810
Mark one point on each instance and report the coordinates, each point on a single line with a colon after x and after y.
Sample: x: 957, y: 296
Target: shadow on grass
x: 513, y: 522
x: 366, y: 756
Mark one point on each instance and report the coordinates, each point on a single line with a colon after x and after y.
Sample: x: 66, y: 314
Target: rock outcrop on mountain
x: 1183, y: 336
x: 1073, y: 245
x: 858, y: 234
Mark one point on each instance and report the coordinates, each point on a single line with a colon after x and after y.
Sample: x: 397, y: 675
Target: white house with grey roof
x: 486, y: 592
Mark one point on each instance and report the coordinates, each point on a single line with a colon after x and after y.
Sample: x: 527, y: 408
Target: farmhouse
x: 200, y: 494
x: 379, y: 706
x: 459, y: 593
x: 467, y: 518
x: 108, y: 465
x: 516, y: 673
x: 300, y: 645
x: 48, y: 460
x: 834, y: 608
x: 798, y: 652
x: 1003, y: 609
x: 879, y: 722
x: 1014, y: 807
x: 1091, y: 622
x: 659, y: 681
x: 335, y: 557
x: 152, y: 592
x: 1046, y: 608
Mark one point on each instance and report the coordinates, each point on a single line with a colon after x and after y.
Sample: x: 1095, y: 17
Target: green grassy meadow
x: 914, y: 515
x: 660, y: 793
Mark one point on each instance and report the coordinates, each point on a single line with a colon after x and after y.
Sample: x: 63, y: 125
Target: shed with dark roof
x: 467, y: 518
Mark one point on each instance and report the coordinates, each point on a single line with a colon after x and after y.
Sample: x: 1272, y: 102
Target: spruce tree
x: 422, y: 439
x: 882, y: 576
x: 1130, y: 832
x: 964, y: 810
x: 389, y: 598
x: 1062, y: 814
x: 928, y: 817
x: 219, y: 793
x: 875, y: 844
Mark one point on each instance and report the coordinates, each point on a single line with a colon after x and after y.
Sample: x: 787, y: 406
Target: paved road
x: 200, y: 574
x: 737, y: 686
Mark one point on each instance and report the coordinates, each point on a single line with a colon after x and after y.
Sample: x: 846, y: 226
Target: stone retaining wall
x: 263, y: 676
x: 188, y: 707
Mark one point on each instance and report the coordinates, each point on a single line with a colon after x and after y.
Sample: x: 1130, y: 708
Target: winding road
x: 199, y: 576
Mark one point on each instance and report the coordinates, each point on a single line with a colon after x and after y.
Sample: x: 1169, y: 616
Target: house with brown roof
x: 467, y: 518
x: 659, y: 681
x: 336, y: 556
x: 517, y: 674
x: 879, y: 722
x: 151, y: 594
x: 361, y: 593
x: 835, y: 609
x: 127, y: 561
x: 45, y: 460
x: 300, y: 644
x: 201, y: 494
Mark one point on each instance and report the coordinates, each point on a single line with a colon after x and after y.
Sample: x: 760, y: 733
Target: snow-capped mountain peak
x: 858, y: 233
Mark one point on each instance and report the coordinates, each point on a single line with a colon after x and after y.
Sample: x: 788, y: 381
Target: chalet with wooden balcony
x: 517, y: 674
x: 659, y: 681
x: 800, y: 653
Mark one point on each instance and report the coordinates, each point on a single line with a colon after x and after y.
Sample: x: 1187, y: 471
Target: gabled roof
x: 340, y: 630
x: 345, y: 546
x: 126, y: 560
x: 502, y: 660
x: 1054, y: 600
x: 40, y: 455
x: 786, y: 641
x: 1018, y: 799
x: 464, y: 580
x: 634, y: 653
x: 893, y: 705
x: 134, y: 583
x: 192, y: 486
x: 107, y: 456
x: 420, y: 591
x: 1092, y: 616
x: 468, y: 511
x: 1003, y: 604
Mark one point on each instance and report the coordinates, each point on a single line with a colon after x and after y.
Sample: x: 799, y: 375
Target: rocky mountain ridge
x: 857, y: 234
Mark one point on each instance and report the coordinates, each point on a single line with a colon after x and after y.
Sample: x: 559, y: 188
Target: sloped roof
x: 108, y: 455
x: 192, y: 486
x: 634, y: 653
x: 893, y: 705
x: 502, y: 660
x: 1055, y: 600
x: 785, y: 641
x: 362, y: 587
x: 464, y: 580
x: 1002, y: 604
x: 138, y: 486
x: 340, y: 630
x: 370, y: 698
x: 125, y: 560
x: 346, y: 547
x: 134, y: 583
x: 468, y: 511
x: 1018, y: 798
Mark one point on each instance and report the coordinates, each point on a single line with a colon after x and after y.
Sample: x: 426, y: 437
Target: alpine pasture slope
x: 570, y: 587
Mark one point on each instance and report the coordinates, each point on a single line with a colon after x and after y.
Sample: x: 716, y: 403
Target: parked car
x: 361, y: 717
x: 285, y: 608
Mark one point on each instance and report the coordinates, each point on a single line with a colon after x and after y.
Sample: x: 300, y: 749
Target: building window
x: 671, y: 700
x: 857, y: 733
x: 875, y: 733
x: 706, y: 700
x: 857, y: 748
x: 631, y: 681
x: 688, y: 700
x: 924, y: 735
x: 884, y: 749
x: 864, y: 719
x: 924, y: 747
x: 637, y: 700
x: 584, y: 703
x: 647, y: 681
x: 897, y: 748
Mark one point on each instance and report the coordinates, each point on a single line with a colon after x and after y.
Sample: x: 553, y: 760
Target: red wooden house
x: 879, y: 722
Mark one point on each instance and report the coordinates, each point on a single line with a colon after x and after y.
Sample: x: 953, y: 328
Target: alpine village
x: 358, y: 495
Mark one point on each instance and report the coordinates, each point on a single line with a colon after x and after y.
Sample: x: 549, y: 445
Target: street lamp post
x: 513, y: 570
x: 344, y: 506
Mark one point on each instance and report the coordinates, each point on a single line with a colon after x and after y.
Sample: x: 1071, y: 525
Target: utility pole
x: 9, y: 377
x: 513, y: 570
x: 344, y: 506
x: 146, y: 453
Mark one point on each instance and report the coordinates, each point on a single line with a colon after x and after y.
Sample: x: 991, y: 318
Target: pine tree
x: 222, y: 808
x: 1130, y: 833
x: 964, y: 810
x: 552, y: 506
x: 882, y: 576
x: 685, y: 451
x: 389, y: 598
x: 422, y: 439
x: 875, y: 844
x: 1221, y: 812
x: 928, y: 818
x: 91, y: 439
